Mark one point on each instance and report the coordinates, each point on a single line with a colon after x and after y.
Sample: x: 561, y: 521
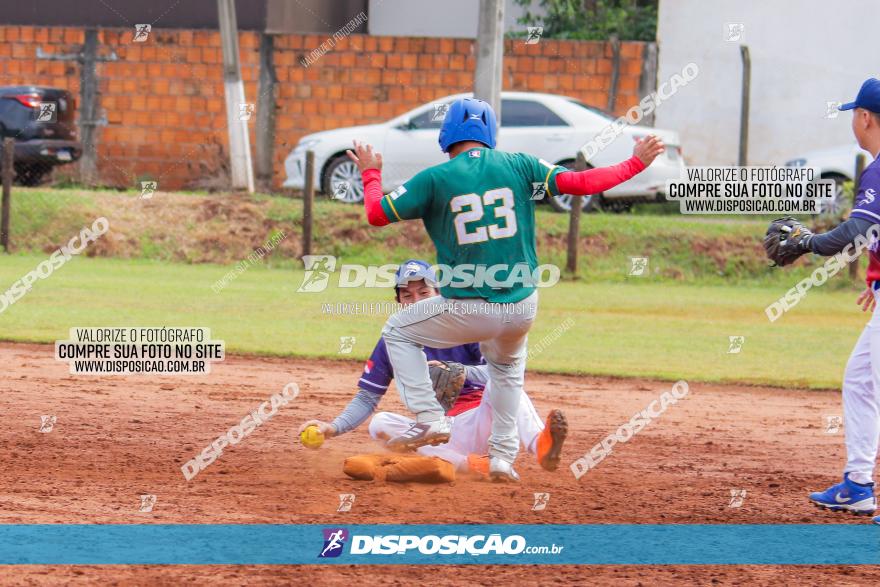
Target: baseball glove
x: 447, y: 378
x: 786, y: 240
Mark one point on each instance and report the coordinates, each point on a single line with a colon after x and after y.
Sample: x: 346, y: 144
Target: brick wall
x: 164, y: 99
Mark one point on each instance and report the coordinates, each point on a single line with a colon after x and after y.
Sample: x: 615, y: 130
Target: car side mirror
x: 405, y: 125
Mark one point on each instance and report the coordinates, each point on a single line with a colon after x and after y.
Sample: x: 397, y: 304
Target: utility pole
x: 744, y: 106
x: 490, y: 54
x: 265, y: 134
x: 240, y: 164
x: 88, y: 108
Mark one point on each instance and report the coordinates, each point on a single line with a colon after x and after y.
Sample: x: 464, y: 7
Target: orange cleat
x: 478, y: 464
x: 549, y: 448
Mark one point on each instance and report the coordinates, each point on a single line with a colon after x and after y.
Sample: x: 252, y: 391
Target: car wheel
x: 31, y: 175
x: 342, y: 181
x: 836, y: 205
x: 562, y: 203
x: 619, y: 207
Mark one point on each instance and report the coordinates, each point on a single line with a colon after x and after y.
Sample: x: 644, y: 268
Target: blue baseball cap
x: 415, y: 270
x: 868, y: 98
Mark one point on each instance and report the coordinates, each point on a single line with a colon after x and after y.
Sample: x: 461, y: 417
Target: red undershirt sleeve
x: 594, y: 181
x: 372, y: 179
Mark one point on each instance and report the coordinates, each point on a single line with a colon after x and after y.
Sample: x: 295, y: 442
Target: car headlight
x: 305, y: 145
x: 796, y: 163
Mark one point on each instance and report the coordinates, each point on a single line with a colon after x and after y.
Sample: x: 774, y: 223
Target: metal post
x: 857, y: 180
x: 6, y: 166
x: 615, y: 72
x: 860, y: 167
x: 648, y: 79
x: 490, y: 54
x: 744, y: 106
x: 574, y: 221
x: 308, y: 202
x: 240, y: 162
x: 266, y: 114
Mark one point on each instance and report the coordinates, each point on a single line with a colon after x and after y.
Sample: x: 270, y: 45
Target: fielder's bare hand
x: 866, y: 300
x: 648, y: 148
x: 364, y: 157
x: 327, y: 429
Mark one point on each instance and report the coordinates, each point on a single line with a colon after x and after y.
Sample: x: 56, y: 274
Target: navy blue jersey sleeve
x: 378, y: 372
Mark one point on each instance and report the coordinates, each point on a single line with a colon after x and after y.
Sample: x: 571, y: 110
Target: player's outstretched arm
x: 594, y: 181
x: 787, y: 239
x: 839, y: 238
x: 861, y: 224
x: 370, y: 165
x: 355, y: 413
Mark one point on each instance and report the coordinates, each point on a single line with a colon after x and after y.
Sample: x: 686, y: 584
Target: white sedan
x: 548, y: 126
x: 837, y: 163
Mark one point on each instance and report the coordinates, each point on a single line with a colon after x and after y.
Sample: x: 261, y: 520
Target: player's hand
x: 648, y: 148
x: 364, y: 157
x: 327, y: 429
x: 866, y: 300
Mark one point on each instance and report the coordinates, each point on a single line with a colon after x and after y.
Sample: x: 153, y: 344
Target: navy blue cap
x: 868, y: 98
x: 414, y: 270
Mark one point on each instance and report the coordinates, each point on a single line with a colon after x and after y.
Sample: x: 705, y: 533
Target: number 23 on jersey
x: 469, y: 208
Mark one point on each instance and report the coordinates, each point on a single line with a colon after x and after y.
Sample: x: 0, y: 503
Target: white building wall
x: 804, y: 54
x: 433, y: 18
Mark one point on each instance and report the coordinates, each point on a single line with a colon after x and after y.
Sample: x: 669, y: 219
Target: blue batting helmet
x: 414, y: 270
x: 468, y: 119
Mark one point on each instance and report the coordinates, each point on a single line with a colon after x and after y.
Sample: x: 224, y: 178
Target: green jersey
x: 479, y: 209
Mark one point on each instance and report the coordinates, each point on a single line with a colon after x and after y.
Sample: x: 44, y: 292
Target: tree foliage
x: 595, y: 20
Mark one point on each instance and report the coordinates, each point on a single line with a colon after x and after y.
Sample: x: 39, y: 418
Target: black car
x: 41, y: 120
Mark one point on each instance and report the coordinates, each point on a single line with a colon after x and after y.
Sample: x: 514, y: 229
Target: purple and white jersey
x: 867, y: 205
x: 378, y: 372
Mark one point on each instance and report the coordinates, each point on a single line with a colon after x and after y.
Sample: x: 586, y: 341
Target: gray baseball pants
x: 438, y: 322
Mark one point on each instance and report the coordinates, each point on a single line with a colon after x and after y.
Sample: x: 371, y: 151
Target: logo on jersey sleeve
x: 397, y: 193
x: 870, y: 196
x: 474, y: 154
x: 368, y: 366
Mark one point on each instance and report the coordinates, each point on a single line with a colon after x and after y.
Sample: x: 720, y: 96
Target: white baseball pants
x: 861, y: 402
x: 470, y: 430
x: 501, y: 330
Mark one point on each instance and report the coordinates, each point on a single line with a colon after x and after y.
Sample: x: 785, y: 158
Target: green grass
x: 710, y: 251
x: 635, y: 327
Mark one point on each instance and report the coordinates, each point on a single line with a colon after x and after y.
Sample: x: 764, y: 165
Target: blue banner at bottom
x: 270, y: 544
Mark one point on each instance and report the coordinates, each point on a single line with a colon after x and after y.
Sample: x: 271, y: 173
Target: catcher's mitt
x: 786, y: 240
x: 447, y: 379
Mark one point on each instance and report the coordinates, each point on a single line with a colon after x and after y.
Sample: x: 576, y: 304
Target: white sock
x: 861, y: 478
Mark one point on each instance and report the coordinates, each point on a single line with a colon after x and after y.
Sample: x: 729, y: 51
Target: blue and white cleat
x: 847, y: 496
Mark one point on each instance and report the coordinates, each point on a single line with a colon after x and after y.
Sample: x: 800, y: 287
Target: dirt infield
x: 116, y: 438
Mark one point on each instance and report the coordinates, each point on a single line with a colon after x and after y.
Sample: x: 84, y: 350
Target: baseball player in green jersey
x: 479, y: 210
